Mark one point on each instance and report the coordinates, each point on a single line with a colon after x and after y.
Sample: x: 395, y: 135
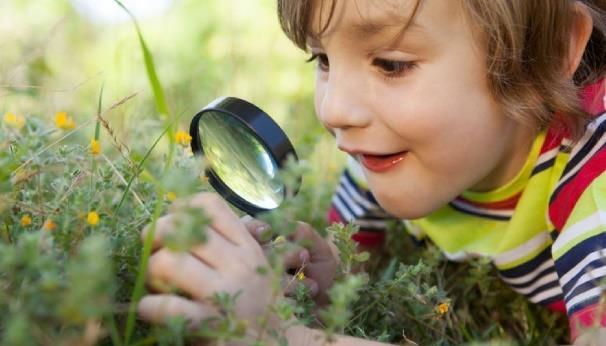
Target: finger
x: 307, y: 237
x: 216, y: 251
x: 223, y: 219
x: 164, y: 225
x: 296, y: 258
x: 183, y: 271
x: 157, y: 308
x: 290, y: 284
x: 257, y: 228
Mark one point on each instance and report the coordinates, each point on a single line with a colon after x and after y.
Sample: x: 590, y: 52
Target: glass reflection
x: 240, y: 160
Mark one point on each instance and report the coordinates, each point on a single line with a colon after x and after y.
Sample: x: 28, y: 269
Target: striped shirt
x: 545, y: 230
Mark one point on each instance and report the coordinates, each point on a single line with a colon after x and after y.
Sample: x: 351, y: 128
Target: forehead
x: 361, y: 18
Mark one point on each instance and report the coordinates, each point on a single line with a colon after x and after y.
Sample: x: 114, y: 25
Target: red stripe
x: 509, y: 203
x: 369, y: 238
x: 558, y: 306
x: 553, y: 139
x: 334, y: 216
x: 585, y: 318
x: 366, y: 238
x: 569, y: 194
x: 592, y: 97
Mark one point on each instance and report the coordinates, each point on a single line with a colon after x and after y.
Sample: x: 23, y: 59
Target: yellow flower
x: 443, y: 308
x: 63, y: 121
x: 26, y: 220
x: 171, y: 196
x: 279, y: 240
x: 92, y: 218
x: 49, y: 225
x: 300, y: 276
x: 17, y: 121
x: 95, y: 147
x: 183, y: 138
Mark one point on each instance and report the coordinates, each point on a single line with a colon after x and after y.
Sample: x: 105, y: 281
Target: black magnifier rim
x: 262, y: 127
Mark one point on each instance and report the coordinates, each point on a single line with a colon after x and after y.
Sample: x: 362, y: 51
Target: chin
x: 408, y: 207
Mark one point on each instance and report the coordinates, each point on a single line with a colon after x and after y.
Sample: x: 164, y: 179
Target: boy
x: 460, y: 116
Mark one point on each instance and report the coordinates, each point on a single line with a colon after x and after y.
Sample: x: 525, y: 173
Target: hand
x: 316, y: 256
x: 227, y: 262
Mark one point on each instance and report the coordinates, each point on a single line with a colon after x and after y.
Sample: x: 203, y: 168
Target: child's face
x: 423, y: 97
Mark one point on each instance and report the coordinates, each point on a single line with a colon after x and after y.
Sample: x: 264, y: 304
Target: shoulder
x: 586, y: 165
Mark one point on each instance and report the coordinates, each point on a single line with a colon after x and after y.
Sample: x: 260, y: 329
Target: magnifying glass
x: 245, y: 150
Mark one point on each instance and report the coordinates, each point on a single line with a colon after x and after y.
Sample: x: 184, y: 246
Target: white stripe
x: 550, y: 293
x: 590, y: 276
x: 546, y: 156
x: 474, y: 209
x: 347, y: 200
x: 530, y: 276
x: 587, y: 157
x: 416, y: 231
x: 371, y: 223
x: 583, y: 296
x: 590, y: 131
x: 356, y: 195
x: 581, y: 265
x: 586, y: 225
x: 550, y: 277
x: 342, y: 209
x: 460, y: 256
x: 524, y: 249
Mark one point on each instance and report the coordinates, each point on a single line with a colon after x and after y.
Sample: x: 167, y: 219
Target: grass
x: 78, y: 283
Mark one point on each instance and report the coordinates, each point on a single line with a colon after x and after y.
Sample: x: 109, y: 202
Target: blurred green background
x: 56, y: 55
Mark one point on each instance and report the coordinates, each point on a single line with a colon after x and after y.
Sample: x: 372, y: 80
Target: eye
x: 393, y: 68
x: 322, y: 59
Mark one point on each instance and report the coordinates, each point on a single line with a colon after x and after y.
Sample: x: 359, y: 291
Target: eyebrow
x: 368, y: 28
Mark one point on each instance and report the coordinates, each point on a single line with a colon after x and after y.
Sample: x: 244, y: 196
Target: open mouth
x: 382, y: 163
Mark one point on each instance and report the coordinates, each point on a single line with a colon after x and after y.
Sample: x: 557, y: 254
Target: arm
x: 303, y: 336
x: 578, y: 211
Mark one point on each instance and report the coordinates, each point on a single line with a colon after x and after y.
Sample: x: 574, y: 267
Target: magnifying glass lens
x: 239, y: 159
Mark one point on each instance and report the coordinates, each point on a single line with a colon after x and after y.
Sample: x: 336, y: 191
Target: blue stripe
x: 587, y: 147
x: 347, y: 199
x: 562, y: 184
x: 540, y: 275
x: 591, y: 266
x: 527, y: 266
x: 543, y: 166
x: 551, y: 300
x: 483, y: 215
x: 365, y: 193
x: 584, y: 288
x: 582, y: 305
x: 572, y: 257
x: 545, y: 287
x: 346, y: 207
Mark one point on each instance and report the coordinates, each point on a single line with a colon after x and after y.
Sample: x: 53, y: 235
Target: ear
x: 580, y: 32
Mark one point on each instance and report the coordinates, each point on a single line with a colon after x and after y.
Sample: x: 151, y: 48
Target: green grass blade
x: 139, y: 169
x: 140, y: 281
x: 97, y: 134
x: 160, y: 99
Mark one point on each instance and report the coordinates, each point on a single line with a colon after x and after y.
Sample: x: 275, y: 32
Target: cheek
x: 318, y: 97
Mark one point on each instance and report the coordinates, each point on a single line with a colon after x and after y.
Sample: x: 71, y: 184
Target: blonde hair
x: 527, y: 44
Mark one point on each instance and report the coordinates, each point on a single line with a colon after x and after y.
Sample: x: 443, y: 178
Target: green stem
x: 140, y: 281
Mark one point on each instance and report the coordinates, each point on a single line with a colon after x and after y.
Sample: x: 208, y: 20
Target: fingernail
x: 304, y: 256
x: 313, y: 287
x: 261, y: 229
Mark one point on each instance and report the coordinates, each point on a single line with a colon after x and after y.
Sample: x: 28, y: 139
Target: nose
x: 341, y: 102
